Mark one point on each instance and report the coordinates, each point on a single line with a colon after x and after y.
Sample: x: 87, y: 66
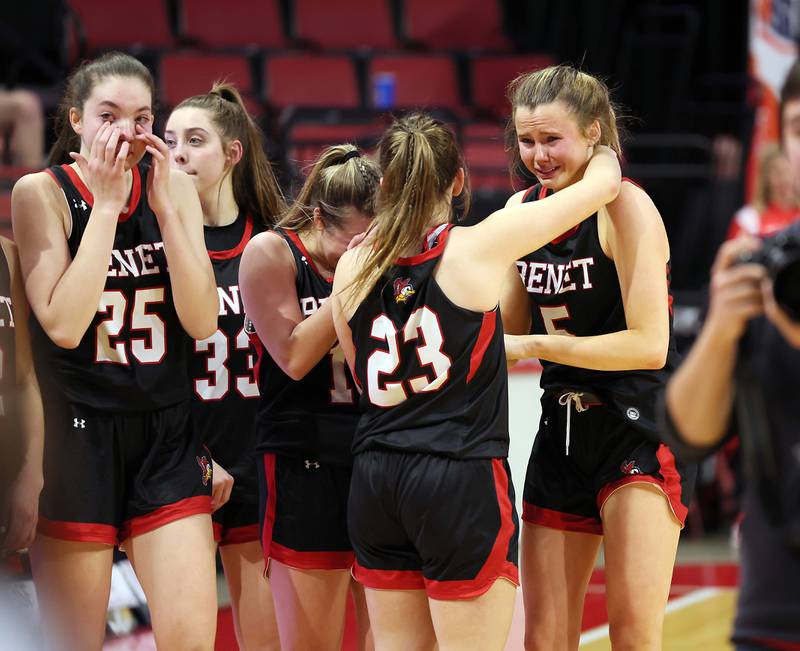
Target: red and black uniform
x: 432, y: 503
x: 225, y: 396
x: 121, y: 454
x: 304, y: 433
x: 598, y: 430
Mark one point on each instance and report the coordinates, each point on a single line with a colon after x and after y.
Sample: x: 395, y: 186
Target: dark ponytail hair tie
x: 353, y: 153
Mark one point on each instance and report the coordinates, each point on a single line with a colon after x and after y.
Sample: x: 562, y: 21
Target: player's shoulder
x: 518, y: 197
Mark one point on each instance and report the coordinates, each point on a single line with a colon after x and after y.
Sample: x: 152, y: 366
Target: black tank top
x: 315, y: 417
x: 574, y: 289
x: 223, y: 366
x: 133, y: 357
x: 433, y: 374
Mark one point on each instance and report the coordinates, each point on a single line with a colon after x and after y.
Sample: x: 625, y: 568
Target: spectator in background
x: 776, y: 202
x: 21, y: 128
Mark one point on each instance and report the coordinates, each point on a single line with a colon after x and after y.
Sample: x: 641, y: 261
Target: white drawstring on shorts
x: 567, y: 399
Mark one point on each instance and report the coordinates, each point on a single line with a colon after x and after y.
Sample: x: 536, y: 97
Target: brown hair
x: 419, y: 159
x: 790, y: 90
x: 341, y: 178
x: 584, y: 95
x: 255, y: 187
x: 80, y: 85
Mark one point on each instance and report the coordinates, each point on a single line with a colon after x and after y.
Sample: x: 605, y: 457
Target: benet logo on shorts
x: 632, y: 413
x: 205, y: 466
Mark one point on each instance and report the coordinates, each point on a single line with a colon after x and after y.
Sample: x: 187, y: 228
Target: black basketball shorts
x: 109, y: 477
x: 566, y: 485
x: 424, y: 522
x: 303, y: 513
x: 236, y: 521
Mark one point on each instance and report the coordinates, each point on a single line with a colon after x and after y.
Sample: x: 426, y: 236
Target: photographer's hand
x: 789, y: 328
x: 735, y: 294
x: 700, y: 393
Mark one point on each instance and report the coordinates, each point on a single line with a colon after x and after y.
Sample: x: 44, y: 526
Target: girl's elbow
x: 203, y: 328
x: 64, y: 338
x: 657, y: 358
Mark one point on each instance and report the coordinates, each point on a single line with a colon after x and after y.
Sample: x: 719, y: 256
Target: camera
x: 780, y: 254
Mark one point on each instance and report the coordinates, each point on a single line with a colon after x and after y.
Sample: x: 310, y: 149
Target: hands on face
x: 104, y: 170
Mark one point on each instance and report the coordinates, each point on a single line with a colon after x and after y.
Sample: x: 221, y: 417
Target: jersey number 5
x: 551, y: 315
x: 114, y: 303
x: 382, y: 362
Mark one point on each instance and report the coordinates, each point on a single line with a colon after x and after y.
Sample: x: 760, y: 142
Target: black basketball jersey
x: 8, y: 351
x: 133, y: 356
x: 433, y: 374
x: 574, y: 290
x: 222, y: 369
x: 313, y: 418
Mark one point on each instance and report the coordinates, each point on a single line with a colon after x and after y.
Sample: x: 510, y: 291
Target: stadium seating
x: 190, y: 73
x: 421, y: 81
x: 233, y: 23
x: 344, y: 24
x: 453, y: 24
x: 311, y: 81
x: 116, y: 24
x: 491, y: 74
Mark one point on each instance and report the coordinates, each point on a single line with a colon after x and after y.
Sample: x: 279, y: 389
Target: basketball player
x: 111, y: 330
x: 213, y: 139
x: 602, y: 325
x: 21, y: 420
x: 308, y: 411
x: 431, y: 511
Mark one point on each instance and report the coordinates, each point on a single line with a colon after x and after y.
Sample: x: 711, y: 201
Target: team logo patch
x: 403, y: 290
x: 205, y: 467
x: 632, y: 413
x: 630, y: 468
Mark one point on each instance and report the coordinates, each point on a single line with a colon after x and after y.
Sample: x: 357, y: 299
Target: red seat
x: 344, y: 23
x: 311, y: 81
x: 454, y: 24
x: 188, y: 73
x: 305, y: 140
x: 485, y: 156
x: 491, y: 76
x: 118, y: 24
x: 421, y: 81
x: 234, y: 23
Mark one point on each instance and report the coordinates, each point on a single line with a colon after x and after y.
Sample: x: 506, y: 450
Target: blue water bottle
x: 383, y: 90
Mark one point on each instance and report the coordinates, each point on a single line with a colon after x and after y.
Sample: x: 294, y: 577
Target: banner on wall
x: 774, y: 38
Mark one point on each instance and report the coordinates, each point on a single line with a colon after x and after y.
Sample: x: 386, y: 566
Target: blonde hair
x: 255, y: 187
x: 586, y: 97
x: 341, y: 178
x: 419, y: 159
x: 762, y: 195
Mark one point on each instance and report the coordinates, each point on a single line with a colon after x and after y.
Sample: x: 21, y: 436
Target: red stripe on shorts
x: 197, y: 505
x: 497, y: 564
x: 78, y: 531
x: 559, y: 520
